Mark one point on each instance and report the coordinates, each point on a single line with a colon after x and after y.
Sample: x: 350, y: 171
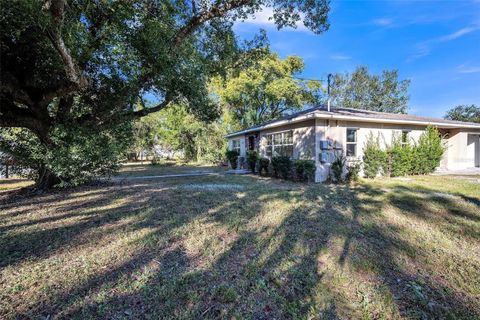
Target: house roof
x: 349, y: 114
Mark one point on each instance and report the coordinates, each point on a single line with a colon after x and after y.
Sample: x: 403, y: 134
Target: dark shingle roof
x: 359, y: 113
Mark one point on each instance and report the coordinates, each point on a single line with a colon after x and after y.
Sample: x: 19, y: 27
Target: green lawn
x: 244, y: 247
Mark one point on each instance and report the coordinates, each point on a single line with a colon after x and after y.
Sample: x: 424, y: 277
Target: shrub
x: 252, y: 158
x: 263, y: 164
x: 156, y: 161
x: 400, y: 157
x: 282, y: 166
x: 428, y: 152
x: 353, y: 171
x: 337, y: 167
x: 374, y: 158
x: 232, y: 156
x: 304, y: 170
x: 403, y: 159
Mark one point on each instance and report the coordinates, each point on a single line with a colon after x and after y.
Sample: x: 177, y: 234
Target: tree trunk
x: 46, y: 179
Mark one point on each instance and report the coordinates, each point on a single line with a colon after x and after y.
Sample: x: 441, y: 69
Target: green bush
x: 428, y: 152
x: 263, y: 164
x: 403, y: 159
x: 232, y: 156
x: 282, y: 166
x: 374, y: 158
x: 353, y: 171
x: 304, y: 170
x: 337, y: 167
x: 252, y: 158
x: 156, y: 161
x: 400, y: 158
x: 75, y: 155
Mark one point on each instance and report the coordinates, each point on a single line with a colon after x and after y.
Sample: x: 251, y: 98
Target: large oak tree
x: 86, y: 64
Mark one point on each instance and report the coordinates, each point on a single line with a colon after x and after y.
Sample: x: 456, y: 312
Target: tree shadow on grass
x: 268, y: 269
x: 445, y: 211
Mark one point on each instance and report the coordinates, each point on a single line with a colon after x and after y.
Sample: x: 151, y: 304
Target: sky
x: 435, y: 44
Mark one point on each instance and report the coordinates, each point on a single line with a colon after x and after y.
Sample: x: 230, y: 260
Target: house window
x: 404, y: 138
x: 280, y: 144
x: 351, y: 142
x: 236, y: 145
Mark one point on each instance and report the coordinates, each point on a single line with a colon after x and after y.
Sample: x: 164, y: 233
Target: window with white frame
x: 279, y: 144
x: 351, y: 146
x: 236, y: 145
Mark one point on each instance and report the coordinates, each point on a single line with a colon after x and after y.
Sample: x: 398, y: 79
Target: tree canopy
x: 265, y: 90
x: 84, y: 65
x: 362, y: 90
x: 468, y: 113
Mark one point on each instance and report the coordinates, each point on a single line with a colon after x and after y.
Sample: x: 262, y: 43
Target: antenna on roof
x: 328, y: 91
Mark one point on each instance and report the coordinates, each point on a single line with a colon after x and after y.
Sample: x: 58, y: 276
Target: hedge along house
x: 319, y: 134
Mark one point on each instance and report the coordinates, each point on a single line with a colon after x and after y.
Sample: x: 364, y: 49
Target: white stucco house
x: 318, y: 133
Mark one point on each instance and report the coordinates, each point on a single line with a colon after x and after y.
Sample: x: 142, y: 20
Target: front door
x: 251, y: 143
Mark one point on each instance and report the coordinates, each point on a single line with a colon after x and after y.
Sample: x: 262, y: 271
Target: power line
x: 307, y: 79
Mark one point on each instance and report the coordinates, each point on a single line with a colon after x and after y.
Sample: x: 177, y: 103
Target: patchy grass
x: 13, y: 184
x: 264, y: 249
x: 131, y: 169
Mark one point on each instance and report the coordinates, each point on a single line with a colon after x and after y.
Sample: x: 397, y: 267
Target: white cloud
x: 264, y: 18
x: 466, y: 68
x: 382, y: 22
x: 340, y: 57
x: 458, y: 34
x: 424, y: 48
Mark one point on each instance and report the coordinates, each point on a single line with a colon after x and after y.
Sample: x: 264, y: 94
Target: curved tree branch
x: 57, y: 12
x: 197, y: 21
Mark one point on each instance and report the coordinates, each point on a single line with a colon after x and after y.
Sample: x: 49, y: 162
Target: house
x: 318, y: 133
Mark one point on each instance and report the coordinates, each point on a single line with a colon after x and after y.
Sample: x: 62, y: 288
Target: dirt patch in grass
x: 212, y: 187
x: 243, y: 247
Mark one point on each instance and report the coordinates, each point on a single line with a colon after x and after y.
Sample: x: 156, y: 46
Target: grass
x: 132, y: 169
x: 13, y: 183
x: 251, y: 248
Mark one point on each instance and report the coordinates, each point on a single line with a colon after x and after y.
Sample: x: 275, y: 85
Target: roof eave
x: 399, y: 121
x: 318, y: 115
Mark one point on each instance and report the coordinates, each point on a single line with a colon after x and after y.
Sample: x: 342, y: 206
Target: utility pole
x: 328, y: 90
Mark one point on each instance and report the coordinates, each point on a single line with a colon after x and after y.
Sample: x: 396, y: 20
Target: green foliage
x: 374, y: 158
x: 282, y: 167
x: 84, y: 65
x: 263, y: 166
x: 77, y: 155
x: 428, y: 151
x: 361, y: 90
x: 338, y: 165
x: 404, y: 159
x: 353, y: 171
x: 468, y: 113
x: 265, y: 90
x: 198, y: 140
x: 399, y: 158
x: 232, y: 156
x: 145, y: 132
x: 156, y: 161
x: 252, y: 158
x: 304, y: 170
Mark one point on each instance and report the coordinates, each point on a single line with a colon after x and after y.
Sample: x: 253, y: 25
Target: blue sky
x: 435, y: 44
